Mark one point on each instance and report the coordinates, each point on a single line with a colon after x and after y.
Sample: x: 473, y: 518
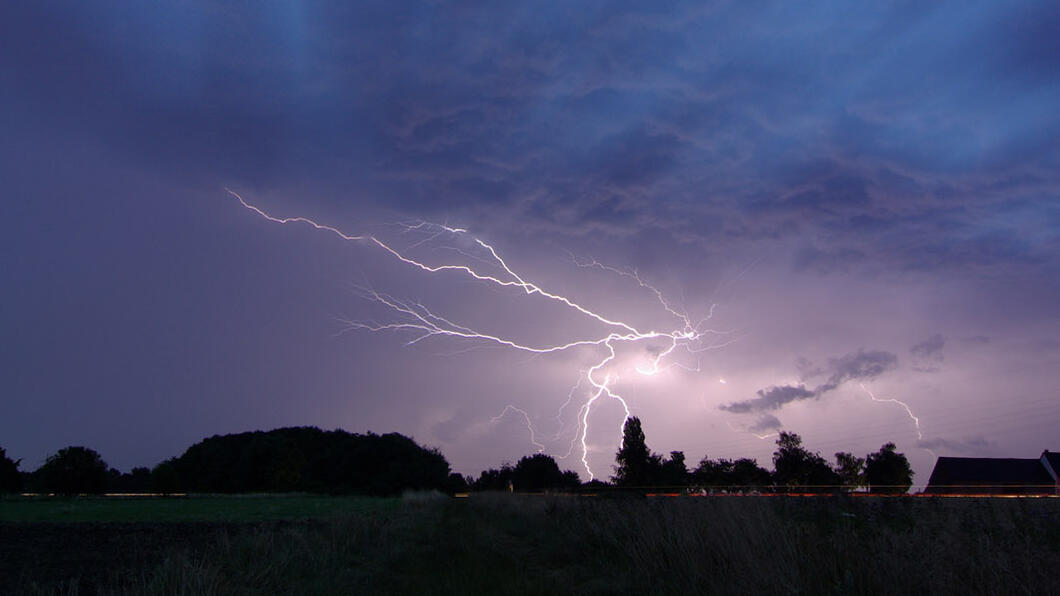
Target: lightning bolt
x: 526, y: 418
x: 908, y: 410
x: 423, y: 323
x: 905, y: 406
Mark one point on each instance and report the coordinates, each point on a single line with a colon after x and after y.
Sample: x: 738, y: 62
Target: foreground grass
x: 205, y: 508
x: 536, y: 545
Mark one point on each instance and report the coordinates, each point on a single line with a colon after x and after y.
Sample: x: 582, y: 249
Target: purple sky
x: 869, y: 197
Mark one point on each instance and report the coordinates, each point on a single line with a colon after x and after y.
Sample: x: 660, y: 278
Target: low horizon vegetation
x: 311, y: 460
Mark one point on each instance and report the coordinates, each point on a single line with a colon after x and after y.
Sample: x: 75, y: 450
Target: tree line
x: 795, y: 470
x: 308, y: 459
x: 302, y: 459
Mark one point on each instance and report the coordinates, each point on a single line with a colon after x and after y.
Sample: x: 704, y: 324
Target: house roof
x: 1054, y: 461
x: 987, y: 472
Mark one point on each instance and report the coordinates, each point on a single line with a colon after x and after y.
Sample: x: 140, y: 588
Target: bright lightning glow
x: 424, y: 323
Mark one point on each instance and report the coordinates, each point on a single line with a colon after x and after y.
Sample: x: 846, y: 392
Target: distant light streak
x: 418, y: 318
x: 908, y: 410
x: 529, y: 424
x: 752, y: 433
x: 905, y: 406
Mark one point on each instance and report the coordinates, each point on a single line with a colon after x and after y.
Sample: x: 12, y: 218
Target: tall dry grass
x: 507, y: 544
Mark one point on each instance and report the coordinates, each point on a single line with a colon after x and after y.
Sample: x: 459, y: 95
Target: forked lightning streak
x: 424, y: 323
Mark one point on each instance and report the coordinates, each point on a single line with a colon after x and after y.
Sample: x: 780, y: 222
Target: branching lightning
x: 423, y: 323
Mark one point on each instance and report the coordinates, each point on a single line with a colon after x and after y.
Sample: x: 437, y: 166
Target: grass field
x: 204, y: 508
x: 536, y: 545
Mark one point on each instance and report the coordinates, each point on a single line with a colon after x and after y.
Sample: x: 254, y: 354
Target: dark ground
x: 537, y: 545
x: 86, y: 556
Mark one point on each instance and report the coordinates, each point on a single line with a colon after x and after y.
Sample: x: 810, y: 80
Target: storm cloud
x: 828, y: 176
x: 862, y: 365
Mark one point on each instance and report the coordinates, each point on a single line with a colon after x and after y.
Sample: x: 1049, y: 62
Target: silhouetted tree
x: 796, y: 469
x: 493, y: 479
x: 712, y: 474
x: 742, y: 475
x: 637, y: 465
x: 10, y: 478
x: 164, y: 479
x: 887, y: 471
x: 674, y: 471
x: 74, y: 470
x: 850, y: 469
x: 748, y: 476
x: 312, y: 460
x: 540, y: 472
x: 136, y: 481
x: 456, y: 484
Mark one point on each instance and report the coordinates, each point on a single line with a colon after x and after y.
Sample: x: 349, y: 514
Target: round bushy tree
x: 540, y: 472
x: 888, y: 471
x: 73, y: 471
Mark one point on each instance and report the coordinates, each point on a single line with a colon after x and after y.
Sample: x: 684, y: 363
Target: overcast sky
x: 865, y: 197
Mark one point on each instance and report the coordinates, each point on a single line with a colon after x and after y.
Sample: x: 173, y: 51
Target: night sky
x: 866, y: 198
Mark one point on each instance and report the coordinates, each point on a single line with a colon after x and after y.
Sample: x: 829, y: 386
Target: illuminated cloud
x: 788, y: 163
x: 858, y: 366
x: 770, y: 398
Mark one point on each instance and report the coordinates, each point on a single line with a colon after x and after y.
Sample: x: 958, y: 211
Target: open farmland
x: 533, y: 545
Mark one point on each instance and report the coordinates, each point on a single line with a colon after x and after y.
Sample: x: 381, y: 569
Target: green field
x: 505, y: 544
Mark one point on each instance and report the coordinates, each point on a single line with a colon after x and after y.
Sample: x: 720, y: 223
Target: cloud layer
x: 862, y: 365
x: 831, y: 176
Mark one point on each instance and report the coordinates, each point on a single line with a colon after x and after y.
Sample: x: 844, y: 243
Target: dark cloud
x: 770, y: 398
x: 865, y: 157
x: 765, y: 422
x: 602, y: 118
x: 860, y: 365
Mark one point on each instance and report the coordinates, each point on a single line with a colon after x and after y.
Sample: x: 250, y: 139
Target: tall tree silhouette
x: 10, y: 478
x: 637, y: 465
